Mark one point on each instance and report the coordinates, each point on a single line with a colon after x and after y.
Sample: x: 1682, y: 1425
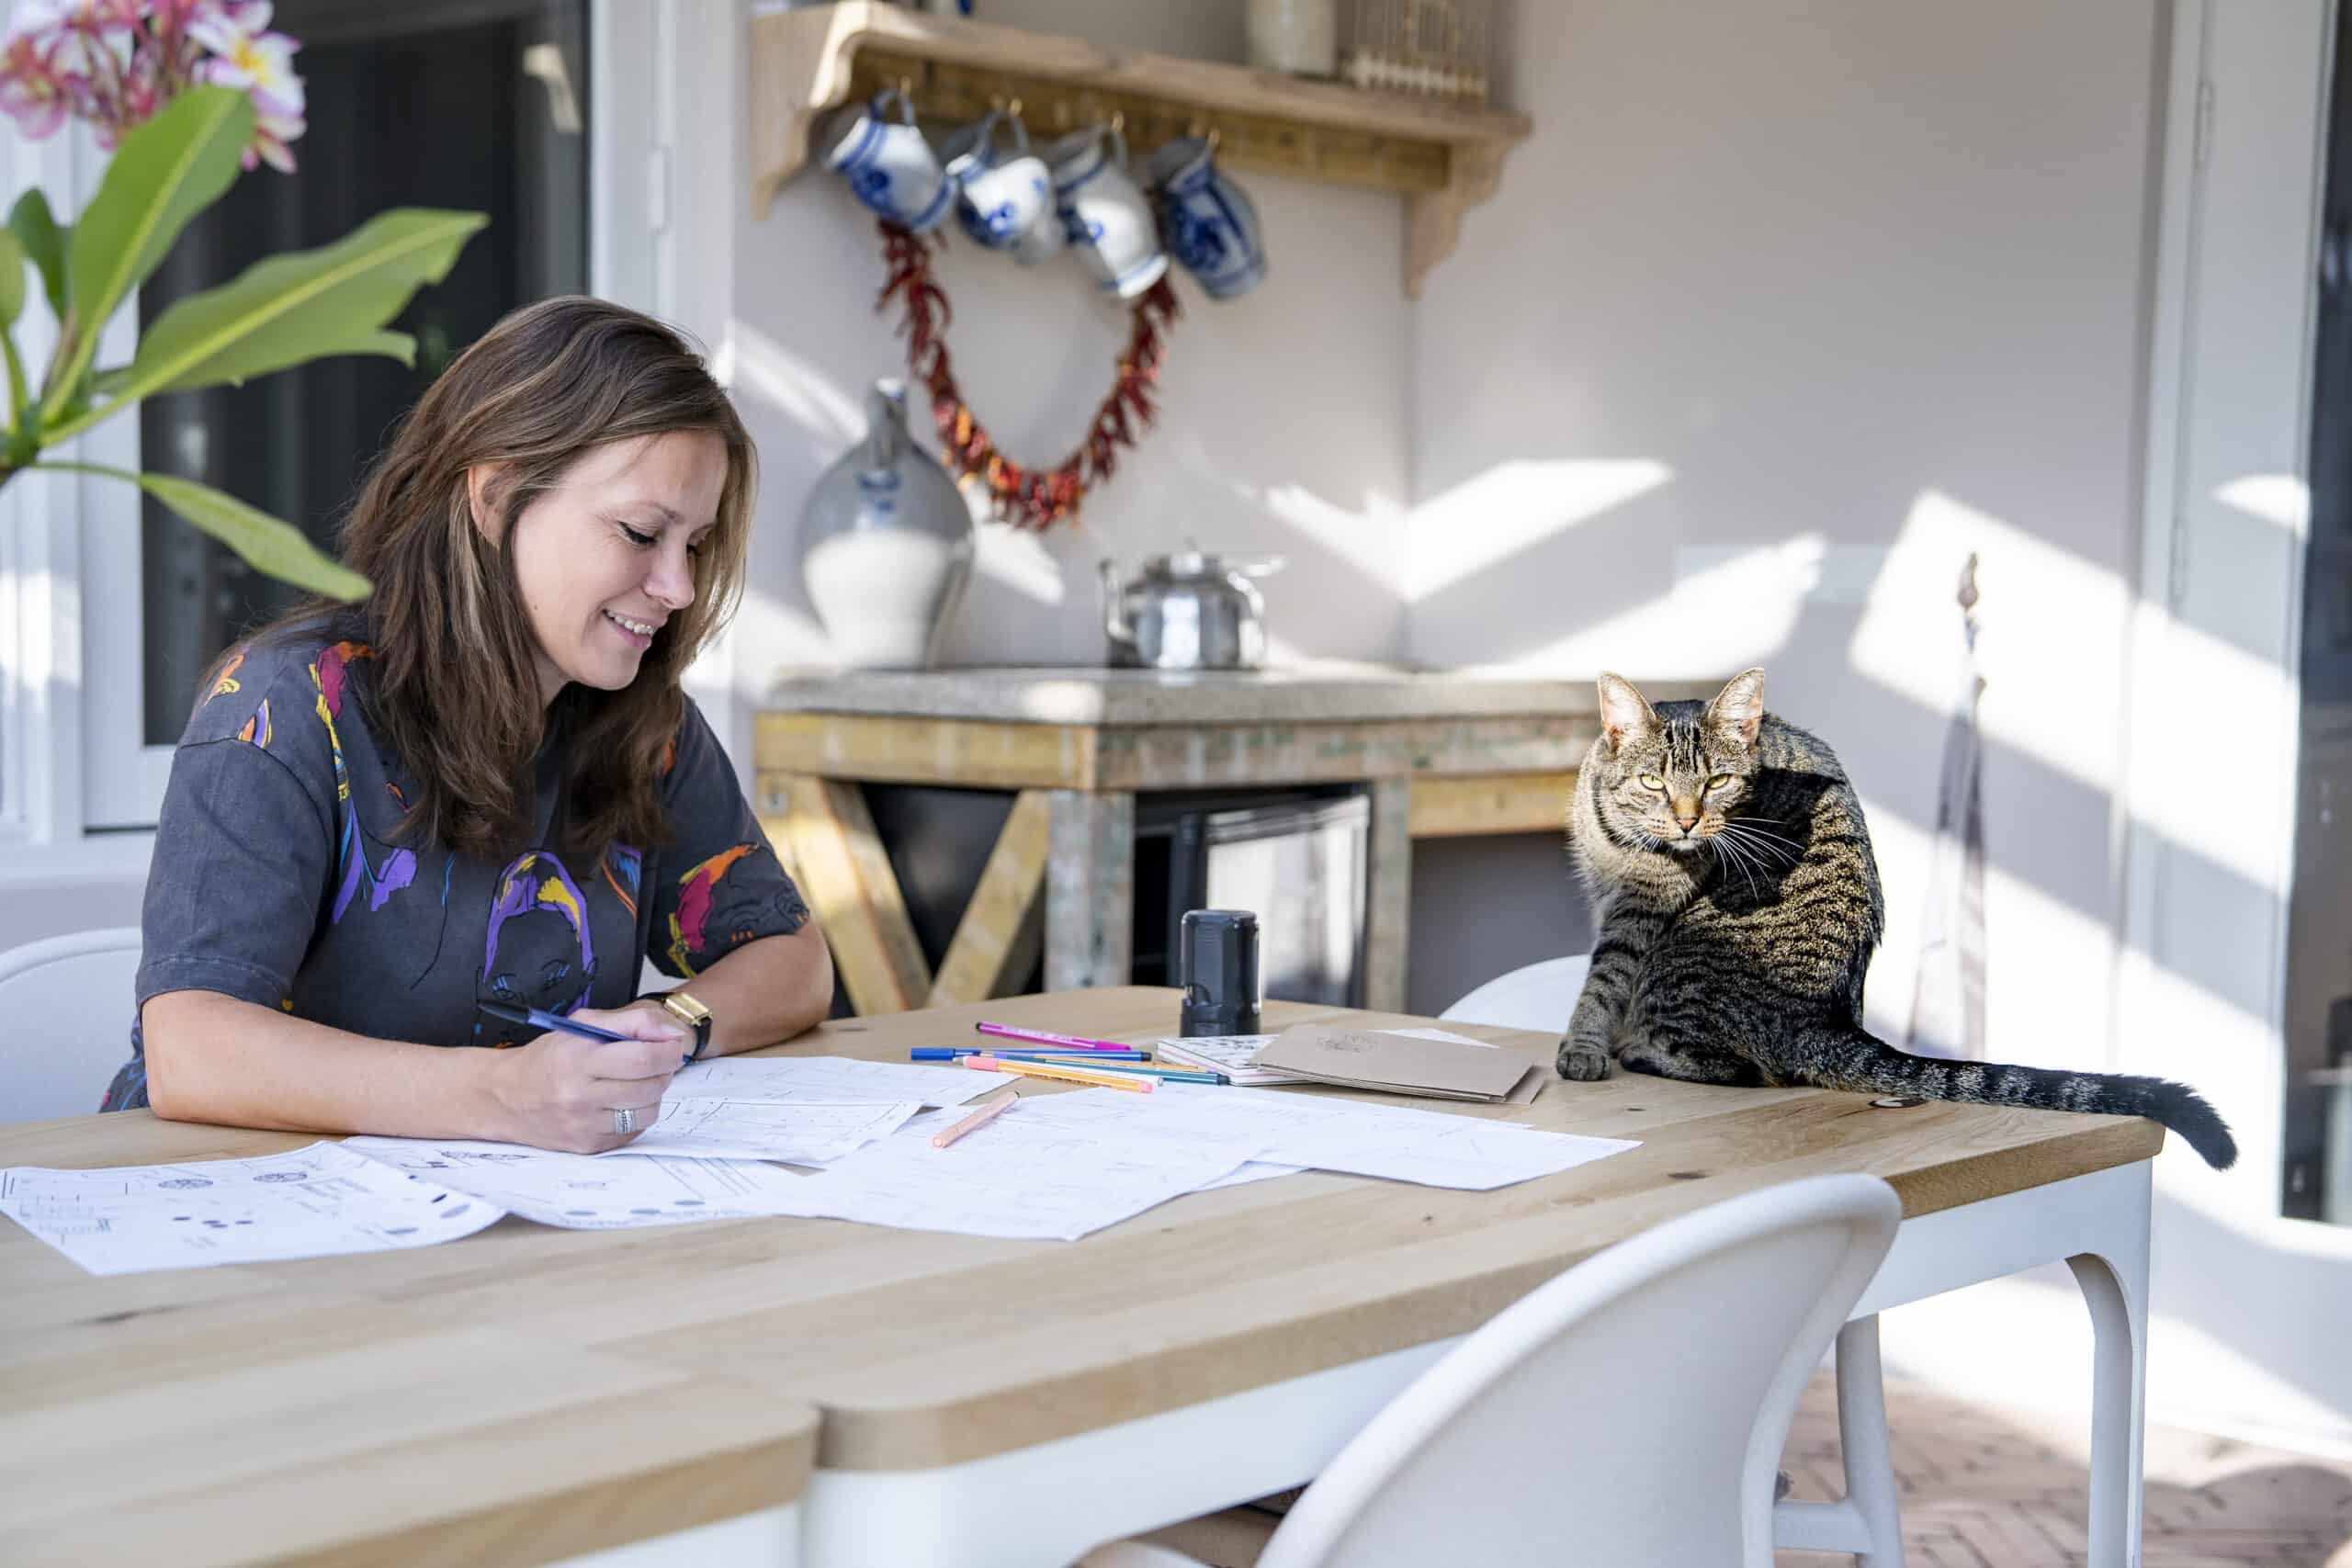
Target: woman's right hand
x: 560, y: 1090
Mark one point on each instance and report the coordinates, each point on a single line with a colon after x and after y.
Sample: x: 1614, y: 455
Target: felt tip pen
x: 1046, y: 1037
x: 955, y: 1052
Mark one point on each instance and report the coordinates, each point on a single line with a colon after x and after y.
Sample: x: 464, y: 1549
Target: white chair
x: 1867, y: 1521
x: 69, y: 999
x: 1631, y: 1411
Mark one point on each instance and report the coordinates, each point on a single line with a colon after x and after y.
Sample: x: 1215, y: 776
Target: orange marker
x: 1060, y: 1074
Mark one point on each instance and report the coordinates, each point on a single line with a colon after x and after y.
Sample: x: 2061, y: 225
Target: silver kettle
x: 1188, y: 611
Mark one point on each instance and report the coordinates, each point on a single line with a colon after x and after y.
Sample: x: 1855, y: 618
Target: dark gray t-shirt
x: 278, y: 877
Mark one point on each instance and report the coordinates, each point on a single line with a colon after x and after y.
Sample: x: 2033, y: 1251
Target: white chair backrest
x: 1538, y: 996
x: 68, y: 1006
x: 1631, y: 1411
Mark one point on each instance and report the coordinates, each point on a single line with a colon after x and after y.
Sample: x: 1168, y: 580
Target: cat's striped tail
x: 1858, y: 1060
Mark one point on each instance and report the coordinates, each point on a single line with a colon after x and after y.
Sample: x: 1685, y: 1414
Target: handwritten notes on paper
x: 1039, y: 1179
x: 591, y: 1191
x: 797, y: 1131
x: 308, y: 1202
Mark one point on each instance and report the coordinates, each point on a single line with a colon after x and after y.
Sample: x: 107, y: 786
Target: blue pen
x: 956, y: 1053
x: 534, y: 1019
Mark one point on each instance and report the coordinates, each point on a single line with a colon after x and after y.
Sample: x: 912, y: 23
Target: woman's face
x: 607, y: 555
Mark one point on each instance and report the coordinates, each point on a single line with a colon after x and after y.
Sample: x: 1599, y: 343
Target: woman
x: 483, y: 785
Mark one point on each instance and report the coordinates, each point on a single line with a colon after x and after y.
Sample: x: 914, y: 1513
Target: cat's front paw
x: 1581, y: 1063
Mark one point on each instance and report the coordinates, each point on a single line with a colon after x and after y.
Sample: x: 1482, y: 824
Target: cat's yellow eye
x: 1651, y: 781
x: 1719, y: 781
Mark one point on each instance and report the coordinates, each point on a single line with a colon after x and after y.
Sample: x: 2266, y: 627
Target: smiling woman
x: 494, y: 749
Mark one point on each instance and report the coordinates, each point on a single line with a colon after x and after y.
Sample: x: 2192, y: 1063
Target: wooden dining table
x: 834, y: 1394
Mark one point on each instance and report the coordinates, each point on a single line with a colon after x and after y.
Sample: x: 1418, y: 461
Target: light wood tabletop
x: 604, y: 1365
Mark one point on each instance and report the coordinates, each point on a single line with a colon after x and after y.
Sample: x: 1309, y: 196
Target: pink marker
x: 1071, y: 1042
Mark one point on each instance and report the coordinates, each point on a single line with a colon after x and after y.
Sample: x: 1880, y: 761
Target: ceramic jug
x: 886, y: 543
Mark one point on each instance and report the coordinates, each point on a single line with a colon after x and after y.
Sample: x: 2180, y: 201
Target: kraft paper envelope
x: 1356, y: 1058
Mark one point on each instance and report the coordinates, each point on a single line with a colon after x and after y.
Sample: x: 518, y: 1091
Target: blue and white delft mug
x: 1206, y: 221
x: 889, y: 164
x: 1107, y: 220
x: 999, y: 197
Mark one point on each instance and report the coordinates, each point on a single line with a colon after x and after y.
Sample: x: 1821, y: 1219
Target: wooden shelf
x: 1446, y: 158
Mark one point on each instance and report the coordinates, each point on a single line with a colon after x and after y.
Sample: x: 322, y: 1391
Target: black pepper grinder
x: 1216, y: 962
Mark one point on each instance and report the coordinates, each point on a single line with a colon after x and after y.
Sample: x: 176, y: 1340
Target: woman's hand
x: 560, y: 1090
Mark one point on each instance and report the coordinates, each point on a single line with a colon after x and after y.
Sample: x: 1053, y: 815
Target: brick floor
x: 1985, y: 1489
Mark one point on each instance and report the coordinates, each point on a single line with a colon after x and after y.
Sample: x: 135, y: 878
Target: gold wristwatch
x: 694, y: 1015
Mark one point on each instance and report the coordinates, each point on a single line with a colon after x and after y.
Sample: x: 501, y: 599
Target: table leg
x: 1389, y: 900
x: 1090, y: 889
x: 2114, y: 1283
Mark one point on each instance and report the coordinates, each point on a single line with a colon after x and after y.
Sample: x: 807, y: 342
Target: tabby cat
x: 1737, y: 905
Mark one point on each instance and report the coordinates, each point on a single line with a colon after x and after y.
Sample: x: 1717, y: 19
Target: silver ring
x: 624, y: 1122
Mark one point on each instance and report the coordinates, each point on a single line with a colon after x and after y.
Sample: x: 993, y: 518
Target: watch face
x: 685, y: 1007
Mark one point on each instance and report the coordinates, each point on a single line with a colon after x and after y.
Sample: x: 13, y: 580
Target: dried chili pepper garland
x: 1028, y: 498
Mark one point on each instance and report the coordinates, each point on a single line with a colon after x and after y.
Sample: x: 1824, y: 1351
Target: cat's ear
x: 1739, y: 707
x: 1623, y: 710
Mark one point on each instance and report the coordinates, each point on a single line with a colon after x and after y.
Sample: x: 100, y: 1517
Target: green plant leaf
x: 271, y: 546
x: 30, y: 222
x: 12, y: 280
x: 165, y: 173
x: 286, y: 310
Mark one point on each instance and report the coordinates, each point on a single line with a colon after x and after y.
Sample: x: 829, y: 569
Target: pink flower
x: 261, y: 63
x: 33, y: 91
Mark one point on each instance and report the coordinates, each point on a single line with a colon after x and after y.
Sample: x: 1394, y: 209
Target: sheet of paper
x: 1231, y: 1055
x: 797, y: 1130
x: 1044, y: 1182
x: 1434, y: 1148
x: 589, y: 1191
x: 316, y: 1201
x: 834, y: 1080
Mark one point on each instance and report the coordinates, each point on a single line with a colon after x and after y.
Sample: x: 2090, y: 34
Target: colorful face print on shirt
x: 621, y: 867
x: 227, y: 678
x: 715, y: 916
x: 537, y: 953
x: 327, y: 675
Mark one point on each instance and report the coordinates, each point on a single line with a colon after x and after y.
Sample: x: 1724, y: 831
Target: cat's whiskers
x: 1732, y: 851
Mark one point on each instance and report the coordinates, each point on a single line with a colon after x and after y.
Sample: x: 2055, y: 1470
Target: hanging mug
x: 1207, y: 222
x: 889, y: 164
x: 1106, y: 221
x: 999, y: 199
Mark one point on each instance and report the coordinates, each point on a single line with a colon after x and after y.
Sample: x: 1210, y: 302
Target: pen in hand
x: 535, y: 1018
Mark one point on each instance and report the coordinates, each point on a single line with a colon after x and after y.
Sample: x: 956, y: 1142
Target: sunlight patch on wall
x: 1017, y: 558
x: 1720, y: 619
x: 2280, y: 499
x: 2051, y: 646
x: 2046, y: 961
x: 750, y: 359
x: 1367, y: 538
x: 1484, y: 521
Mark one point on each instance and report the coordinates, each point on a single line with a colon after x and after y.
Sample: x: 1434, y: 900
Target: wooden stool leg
x: 1091, y: 889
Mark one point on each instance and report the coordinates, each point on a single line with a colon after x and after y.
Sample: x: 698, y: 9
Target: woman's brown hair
x: 452, y: 690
